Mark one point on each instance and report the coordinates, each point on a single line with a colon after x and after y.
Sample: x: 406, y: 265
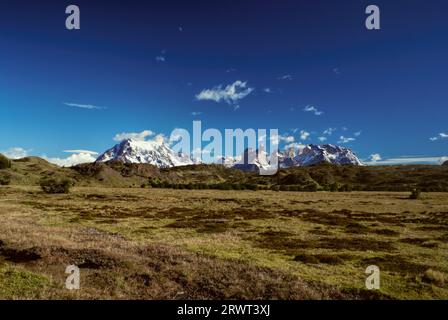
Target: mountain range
x: 159, y: 154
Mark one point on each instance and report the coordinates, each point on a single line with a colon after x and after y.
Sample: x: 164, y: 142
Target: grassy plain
x: 145, y: 243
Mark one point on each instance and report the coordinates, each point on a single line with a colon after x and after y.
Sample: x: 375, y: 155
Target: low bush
x: 56, y: 185
x: 5, y: 163
x: 415, y: 194
x: 5, y: 179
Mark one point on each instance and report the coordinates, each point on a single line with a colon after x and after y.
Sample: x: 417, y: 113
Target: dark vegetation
x: 56, y: 185
x: 324, y: 177
x: 5, y: 163
x: 415, y: 194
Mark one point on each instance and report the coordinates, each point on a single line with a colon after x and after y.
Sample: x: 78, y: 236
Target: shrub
x: 5, y: 163
x: 312, y: 187
x: 56, y: 185
x: 433, y: 276
x: 415, y: 194
x: 345, y: 188
x: 334, y: 187
x: 5, y: 179
x: 252, y: 187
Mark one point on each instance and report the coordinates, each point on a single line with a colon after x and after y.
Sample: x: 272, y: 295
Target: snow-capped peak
x: 315, y: 154
x: 154, y: 152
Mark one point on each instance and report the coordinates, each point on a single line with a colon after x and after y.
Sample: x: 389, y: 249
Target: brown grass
x: 205, y: 244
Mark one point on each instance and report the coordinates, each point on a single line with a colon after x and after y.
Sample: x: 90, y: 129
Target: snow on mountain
x: 253, y: 160
x: 228, y: 161
x: 307, y: 156
x: 154, y: 152
x: 327, y: 153
x: 157, y: 153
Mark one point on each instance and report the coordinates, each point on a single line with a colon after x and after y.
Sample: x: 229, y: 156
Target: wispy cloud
x: 313, y: 109
x: 440, y: 136
x: 231, y: 94
x: 15, y: 153
x: 322, y: 139
x: 304, y: 135
x: 336, y: 70
x: 404, y: 160
x: 287, y: 138
x: 358, y: 133
x: 196, y: 113
x: 84, y: 106
x: 161, y: 57
x: 343, y: 139
x: 267, y: 90
x: 81, y: 151
x: 329, y: 131
x: 285, y: 77
x: 139, y: 136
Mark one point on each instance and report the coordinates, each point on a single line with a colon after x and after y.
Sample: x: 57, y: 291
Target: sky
x: 310, y: 69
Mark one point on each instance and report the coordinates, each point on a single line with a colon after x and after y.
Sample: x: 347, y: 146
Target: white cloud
x: 15, y: 153
x: 231, y: 94
x: 160, y: 138
x: 357, y: 134
x: 329, y: 131
x: 287, y: 138
x: 408, y: 160
x: 322, y: 139
x: 133, y: 135
x: 285, y: 77
x: 440, y: 136
x: 72, y: 160
x: 295, y: 146
x: 160, y: 59
x: 313, y: 109
x: 304, y: 135
x: 267, y: 90
x: 375, y: 157
x: 81, y: 151
x: 84, y: 106
x: 196, y: 113
x: 343, y: 139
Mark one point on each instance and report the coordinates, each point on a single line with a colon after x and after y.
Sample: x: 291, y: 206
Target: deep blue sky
x: 390, y: 85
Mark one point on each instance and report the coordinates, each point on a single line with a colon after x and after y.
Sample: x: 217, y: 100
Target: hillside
x: 28, y: 171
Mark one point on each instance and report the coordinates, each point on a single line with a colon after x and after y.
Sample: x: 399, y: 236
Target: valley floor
x: 143, y: 243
